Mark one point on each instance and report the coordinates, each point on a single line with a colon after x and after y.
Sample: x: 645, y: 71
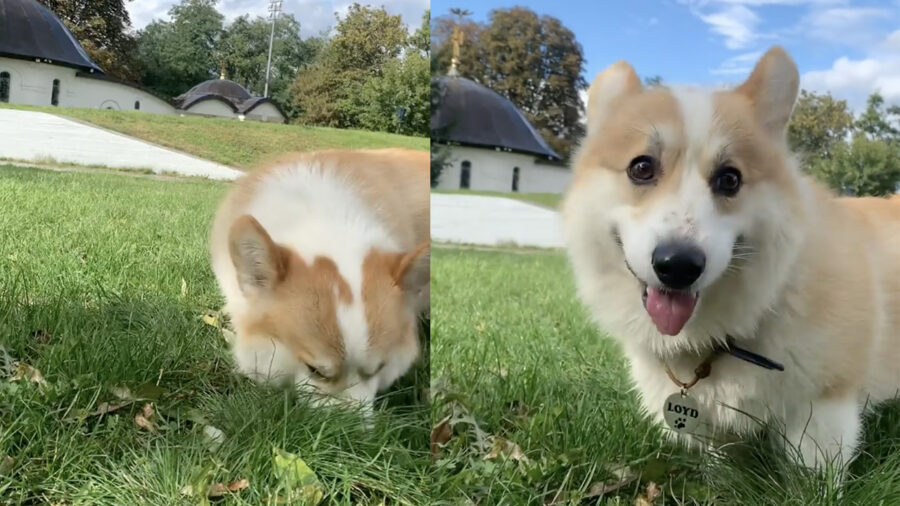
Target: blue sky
x: 315, y: 16
x: 849, y: 48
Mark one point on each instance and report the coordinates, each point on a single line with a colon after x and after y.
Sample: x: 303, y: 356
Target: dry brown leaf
x: 440, y: 434
x: 26, y: 372
x: 237, y: 486
x: 507, y: 449
x: 143, y: 419
x: 652, y: 492
x: 624, y: 476
x: 217, y: 490
x: 109, y: 407
x: 41, y: 336
x: 122, y: 392
x: 184, y: 288
x: 7, y: 464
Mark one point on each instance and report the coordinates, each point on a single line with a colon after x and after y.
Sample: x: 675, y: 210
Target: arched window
x: 515, y: 179
x: 137, y: 105
x: 4, y: 87
x: 54, y: 98
x: 465, y: 174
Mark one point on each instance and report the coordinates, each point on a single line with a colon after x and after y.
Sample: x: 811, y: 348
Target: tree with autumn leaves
x: 534, y: 61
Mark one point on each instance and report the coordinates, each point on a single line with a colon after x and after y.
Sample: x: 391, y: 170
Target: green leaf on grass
x: 295, y: 475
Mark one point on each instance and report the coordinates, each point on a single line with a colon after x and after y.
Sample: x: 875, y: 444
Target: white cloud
x: 315, y: 16
x: 736, y: 23
x: 844, y: 25
x: 740, y: 64
x: 855, y: 79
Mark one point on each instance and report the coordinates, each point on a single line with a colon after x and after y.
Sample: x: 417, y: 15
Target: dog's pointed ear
x: 412, y: 273
x: 257, y: 259
x: 772, y: 88
x: 618, y: 80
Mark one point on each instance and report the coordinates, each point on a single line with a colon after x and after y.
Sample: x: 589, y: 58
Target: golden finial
x: 457, y: 39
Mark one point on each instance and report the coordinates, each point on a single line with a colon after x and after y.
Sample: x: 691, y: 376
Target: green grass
x: 91, y: 270
x: 241, y: 144
x: 542, y: 199
x: 514, y: 353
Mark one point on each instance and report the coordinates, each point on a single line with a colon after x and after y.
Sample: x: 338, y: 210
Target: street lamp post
x: 274, y: 10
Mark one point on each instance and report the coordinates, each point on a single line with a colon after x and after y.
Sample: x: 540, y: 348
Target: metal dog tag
x: 681, y: 413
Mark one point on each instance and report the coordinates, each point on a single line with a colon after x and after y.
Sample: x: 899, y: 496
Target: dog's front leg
x: 825, y: 434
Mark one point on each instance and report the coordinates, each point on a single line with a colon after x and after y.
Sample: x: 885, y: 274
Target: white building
x: 42, y: 64
x: 492, y: 145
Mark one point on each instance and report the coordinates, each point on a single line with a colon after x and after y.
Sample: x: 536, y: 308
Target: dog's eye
x: 316, y: 373
x: 643, y: 170
x: 726, y: 181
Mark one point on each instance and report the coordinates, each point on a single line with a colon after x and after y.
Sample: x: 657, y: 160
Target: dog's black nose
x: 678, y: 264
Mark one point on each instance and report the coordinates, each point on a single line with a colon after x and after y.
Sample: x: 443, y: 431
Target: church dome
x: 474, y: 115
x: 30, y: 31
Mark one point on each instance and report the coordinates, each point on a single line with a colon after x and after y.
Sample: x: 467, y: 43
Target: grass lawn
x: 240, y: 144
x: 104, y: 280
x: 541, y: 410
x: 541, y: 199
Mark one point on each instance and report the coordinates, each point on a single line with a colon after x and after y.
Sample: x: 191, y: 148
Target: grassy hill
x: 234, y: 143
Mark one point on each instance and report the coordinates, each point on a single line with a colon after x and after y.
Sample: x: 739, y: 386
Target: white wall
x: 212, y: 107
x: 492, y: 170
x: 31, y: 83
x: 266, y: 112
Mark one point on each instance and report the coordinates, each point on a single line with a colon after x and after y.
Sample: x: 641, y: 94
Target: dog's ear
x: 257, y: 259
x: 412, y: 272
x: 618, y: 80
x: 772, y: 88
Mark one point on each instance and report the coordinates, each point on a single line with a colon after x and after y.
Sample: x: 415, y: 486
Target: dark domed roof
x: 474, y: 115
x: 236, y: 96
x: 28, y: 30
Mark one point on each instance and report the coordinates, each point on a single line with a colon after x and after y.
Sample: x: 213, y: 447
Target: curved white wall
x: 31, y: 83
x: 212, y: 107
x: 492, y: 170
x: 266, y: 112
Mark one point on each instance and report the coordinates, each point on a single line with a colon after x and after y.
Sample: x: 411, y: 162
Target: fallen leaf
x: 109, y: 407
x: 228, y: 335
x: 122, y: 392
x: 41, y: 336
x: 26, y: 372
x: 220, y: 489
x: 440, y: 434
x: 650, y: 495
x: 211, y: 318
x: 624, y: 476
x: 7, y: 464
x: 213, y: 435
x: 143, y: 419
x: 507, y: 449
x: 296, y: 475
x: 184, y: 288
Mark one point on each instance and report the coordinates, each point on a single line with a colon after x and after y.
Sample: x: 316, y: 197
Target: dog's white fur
x: 792, y: 272
x: 341, y: 217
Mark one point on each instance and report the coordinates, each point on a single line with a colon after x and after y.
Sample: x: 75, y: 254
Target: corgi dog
x: 697, y: 242
x: 323, y: 261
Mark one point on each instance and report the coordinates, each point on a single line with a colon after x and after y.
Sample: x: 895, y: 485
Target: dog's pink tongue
x: 670, y: 310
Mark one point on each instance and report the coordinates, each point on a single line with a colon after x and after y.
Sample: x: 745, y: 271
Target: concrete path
x: 493, y: 221
x: 37, y: 136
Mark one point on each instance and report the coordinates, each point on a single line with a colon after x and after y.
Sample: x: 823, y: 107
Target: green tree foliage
x: 861, y: 167
x: 103, y: 28
x: 177, y: 54
x: 858, y: 156
x: 244, y: 50
x: 371, y: 74
x: 534, y: 61
x: 819, y: 123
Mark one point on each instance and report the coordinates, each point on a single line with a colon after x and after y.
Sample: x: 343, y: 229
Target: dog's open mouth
x: 669, y: 309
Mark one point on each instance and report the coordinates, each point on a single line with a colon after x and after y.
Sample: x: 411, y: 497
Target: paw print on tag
x: 681, y: 413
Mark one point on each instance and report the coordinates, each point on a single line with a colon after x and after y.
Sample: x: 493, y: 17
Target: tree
x: 103, y: 28
x: 396, y: 101
x: 533, y: 61
x: 876, y: 122
x: 862, y: 167
x: 175, y: 55
x: 818, y: 123
x: 421, y: 39
x: 360, y: 80
x: 244, y: 51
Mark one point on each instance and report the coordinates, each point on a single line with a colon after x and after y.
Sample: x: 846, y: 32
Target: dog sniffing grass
x: 91, y: 295
x: 514, y: 353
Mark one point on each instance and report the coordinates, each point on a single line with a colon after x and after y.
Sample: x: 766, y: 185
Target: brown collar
x: 705, y: 368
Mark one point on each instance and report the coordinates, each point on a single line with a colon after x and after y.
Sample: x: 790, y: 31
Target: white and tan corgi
x: 689, y: 220
x: 323, y: 260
